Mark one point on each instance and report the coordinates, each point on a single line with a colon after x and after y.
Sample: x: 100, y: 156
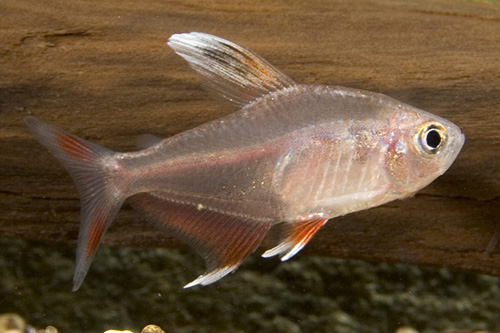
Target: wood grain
x: 102, y: 70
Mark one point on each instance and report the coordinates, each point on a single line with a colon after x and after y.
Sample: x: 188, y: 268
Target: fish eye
x: 431, y: 138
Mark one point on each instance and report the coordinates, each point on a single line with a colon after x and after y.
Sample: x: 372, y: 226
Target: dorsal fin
x: 235, y: 73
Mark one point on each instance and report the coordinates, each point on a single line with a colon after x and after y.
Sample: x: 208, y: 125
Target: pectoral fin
x: 223, y: 241
x: 235, y: 73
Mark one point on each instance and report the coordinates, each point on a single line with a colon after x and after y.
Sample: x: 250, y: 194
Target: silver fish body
x: 305, y: 151
x: 294, y: 155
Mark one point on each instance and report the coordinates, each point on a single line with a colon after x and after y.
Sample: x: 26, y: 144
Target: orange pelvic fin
x: 224, y: 241
x: 297, y: 236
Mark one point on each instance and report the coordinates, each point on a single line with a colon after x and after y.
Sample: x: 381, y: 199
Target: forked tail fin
x: 90, y: 167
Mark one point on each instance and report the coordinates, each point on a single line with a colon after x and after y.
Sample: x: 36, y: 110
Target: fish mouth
x: 460, y: 143
x: 453, y: 150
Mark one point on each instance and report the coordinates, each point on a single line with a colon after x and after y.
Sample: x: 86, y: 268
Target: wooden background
x: 102, y: 70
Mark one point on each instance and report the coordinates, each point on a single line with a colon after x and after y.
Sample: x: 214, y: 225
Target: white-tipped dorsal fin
x: 237, y: 74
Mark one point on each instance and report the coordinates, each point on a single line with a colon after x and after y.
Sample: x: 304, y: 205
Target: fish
x: 289, y: 159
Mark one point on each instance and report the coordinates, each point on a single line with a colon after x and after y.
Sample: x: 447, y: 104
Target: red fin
x: 86, y: 163
x: 299, y: 234
x: 73, y: 146
x: 224, y: 241
x: 95, y: 221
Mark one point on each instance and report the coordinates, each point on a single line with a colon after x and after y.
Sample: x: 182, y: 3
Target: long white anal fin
x: 224, y: 241
x: 299, y: 234
x: 237, y: 74
x: 211, y: 277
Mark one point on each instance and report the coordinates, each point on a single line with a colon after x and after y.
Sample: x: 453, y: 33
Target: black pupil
x: 433, y: 139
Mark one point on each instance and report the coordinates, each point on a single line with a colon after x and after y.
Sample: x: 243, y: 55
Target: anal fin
x: 224, y: 241
x: 297, y: 236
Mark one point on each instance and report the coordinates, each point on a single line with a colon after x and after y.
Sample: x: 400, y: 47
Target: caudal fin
x: 88, y: 165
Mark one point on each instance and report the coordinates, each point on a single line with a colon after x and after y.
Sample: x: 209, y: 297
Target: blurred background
x: 102, y: 70
x: 129, y: 288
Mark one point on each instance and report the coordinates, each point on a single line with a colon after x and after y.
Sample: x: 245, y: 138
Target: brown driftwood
x: 102, y: 70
